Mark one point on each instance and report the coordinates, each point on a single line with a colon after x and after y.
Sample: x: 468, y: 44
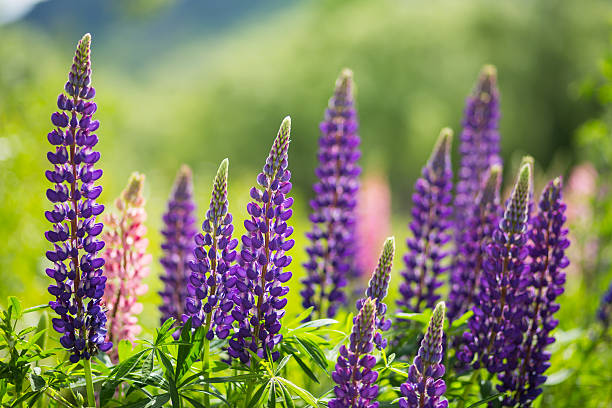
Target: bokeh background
x: 194, y: 81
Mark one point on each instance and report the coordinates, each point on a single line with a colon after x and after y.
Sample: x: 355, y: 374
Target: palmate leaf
x: 486, y: 400
x: 169, y: 375
x: 116, y: 376
x: 156, y: 401
x: 258, y: 394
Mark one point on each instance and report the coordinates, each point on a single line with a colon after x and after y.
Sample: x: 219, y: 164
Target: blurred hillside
x: 191, y: 82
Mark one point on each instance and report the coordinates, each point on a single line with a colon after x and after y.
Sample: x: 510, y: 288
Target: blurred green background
x: 186, y: 81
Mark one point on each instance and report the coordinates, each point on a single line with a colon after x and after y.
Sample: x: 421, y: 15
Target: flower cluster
x: 495, y: 329
x: 210, y: 299
x: 425, y: 386
x: 605, y: 307
x: 260, y: 274
x: 431, y: 221
x: 177, y: 247
x: 548, y: 242
x: 377, y: 290
x: 354, y: 375
x: 479, y: 144
x: 374, y: 215
x: 77, y: 271
x: 331, y: 255
x: 127, y: 261
x: 481, y: 223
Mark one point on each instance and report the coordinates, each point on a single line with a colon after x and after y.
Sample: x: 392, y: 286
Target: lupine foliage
x: 224, y: 338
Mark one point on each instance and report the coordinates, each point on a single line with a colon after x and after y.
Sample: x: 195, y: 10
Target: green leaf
x: 313, y: 350
x: 282, y: 363
x: 257, y: 396
x: 168, y: 373
x: 306, y: 369
x: 287, y: 397
x: 302, y: 393
x: 157, y: 401
x: 272, y: 398
x: 183, y: 349
x: 317, y: 323
x: 116, y: 376
x: 299, y: 318
x: 484, y: 401
x: 36, y: 381
x: 16, y: 305
x: 35, y: 308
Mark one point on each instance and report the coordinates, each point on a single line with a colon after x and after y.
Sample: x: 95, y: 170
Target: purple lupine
x: 479, y: 145
x: 331, y: 254
x: 377, y: 290
x: 77, y: 269
x: 481, y: 223
x: 548, y: 241
x: 425, y: 259
x: 425, y: 385
x: 605, y: 307
x: 354, y: 375
x: 179, y: 231
x: 261, y: 275
x: 495, y: 329
x: 210, y: 299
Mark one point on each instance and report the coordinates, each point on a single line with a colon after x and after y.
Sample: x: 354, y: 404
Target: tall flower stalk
x: 495, y: 329
x: 425, y: 259
x: 77, y: 269
x: 331, y: 254
x: 179, y: 231
x: 546, y: 279
x: 261, y: 275
x: 353, y: 373
x: 127, y: 262
x: 479, y: 145
x: 481, y: 223
x: 377, y: 290
x: 210, y: 286
x: 425, y: 385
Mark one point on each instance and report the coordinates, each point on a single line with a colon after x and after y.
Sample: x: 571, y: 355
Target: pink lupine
x: 127, y: 262
x: 374, y: 220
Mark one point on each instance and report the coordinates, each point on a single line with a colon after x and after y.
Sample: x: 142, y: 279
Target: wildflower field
x: 486, y: 280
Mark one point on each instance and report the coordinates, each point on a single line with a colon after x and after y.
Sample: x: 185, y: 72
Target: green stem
x: 206, y: 367
x: 91, y: 399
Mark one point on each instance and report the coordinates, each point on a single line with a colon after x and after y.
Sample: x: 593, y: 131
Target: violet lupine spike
x: 77, y: 269
x: 354, y: 375
x: 127, y: 262
x: 605, y: 307
x: 261, y: 275
x: 210, y: 286
x: 481, y: 223
x: 548, y: 242
x: 495, y: 329
x: 377, y: 290
x: 425, y: 386
x: 425, y: 259
x: 479, y: 144
x: 178, y: 245
x: 331, y: 255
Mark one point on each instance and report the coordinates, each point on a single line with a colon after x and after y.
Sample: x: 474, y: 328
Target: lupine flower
x: 354, y: 375
x: 79, y: 281
x: 431, y: 220
x: 261, y: 275
x: 425, y: 385
x: 377, y: 290
x: 581, y: 191
x: 548, y: 241
x: 495, y: 329
x: 479, y: 145
x: 331, y: 255
x: 605, y: 307
x: 127, y: 262
x: 481, y: 223
x: 210, y: 302
x: 374, y: 215
x: 179, y: 231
